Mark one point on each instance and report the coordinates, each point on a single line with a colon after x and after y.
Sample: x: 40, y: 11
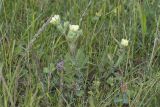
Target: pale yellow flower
x: 74, y: 28
x: 124, y: 42
x: 55, y: 19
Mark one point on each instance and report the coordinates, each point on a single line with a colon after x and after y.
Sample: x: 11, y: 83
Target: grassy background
x: 23, y: 81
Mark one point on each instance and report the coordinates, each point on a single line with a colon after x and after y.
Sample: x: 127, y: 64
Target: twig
x: 38, y: 33
x: 85, y: 11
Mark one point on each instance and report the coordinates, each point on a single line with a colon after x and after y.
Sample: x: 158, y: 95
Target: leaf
x: 52, y: 67
x: 131, y: 93
x: 68, y: 65
x: 1, y: 67
x: 120, y: 60
x: 69, y: 71
x: 125, y: 98
x: 117, y: 100
x: 81, y: 59
x: 45, y: 70
x: 66, y: 25
x: 80, y: 93
x: 0, y: 6
x: 110, y: 81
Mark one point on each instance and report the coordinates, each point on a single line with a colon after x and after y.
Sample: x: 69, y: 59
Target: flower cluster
x: 60, y: 65
x: 55, y: 20
x: 71, y: 32
x: 124, y: 42
x: 73, y: 28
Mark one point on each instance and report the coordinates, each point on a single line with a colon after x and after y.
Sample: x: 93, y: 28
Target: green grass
x: 98, y: 70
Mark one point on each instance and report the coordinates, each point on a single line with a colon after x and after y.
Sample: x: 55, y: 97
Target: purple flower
x: 60, y: 65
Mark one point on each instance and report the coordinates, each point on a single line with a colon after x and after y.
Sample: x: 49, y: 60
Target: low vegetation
x: 79, y: 53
